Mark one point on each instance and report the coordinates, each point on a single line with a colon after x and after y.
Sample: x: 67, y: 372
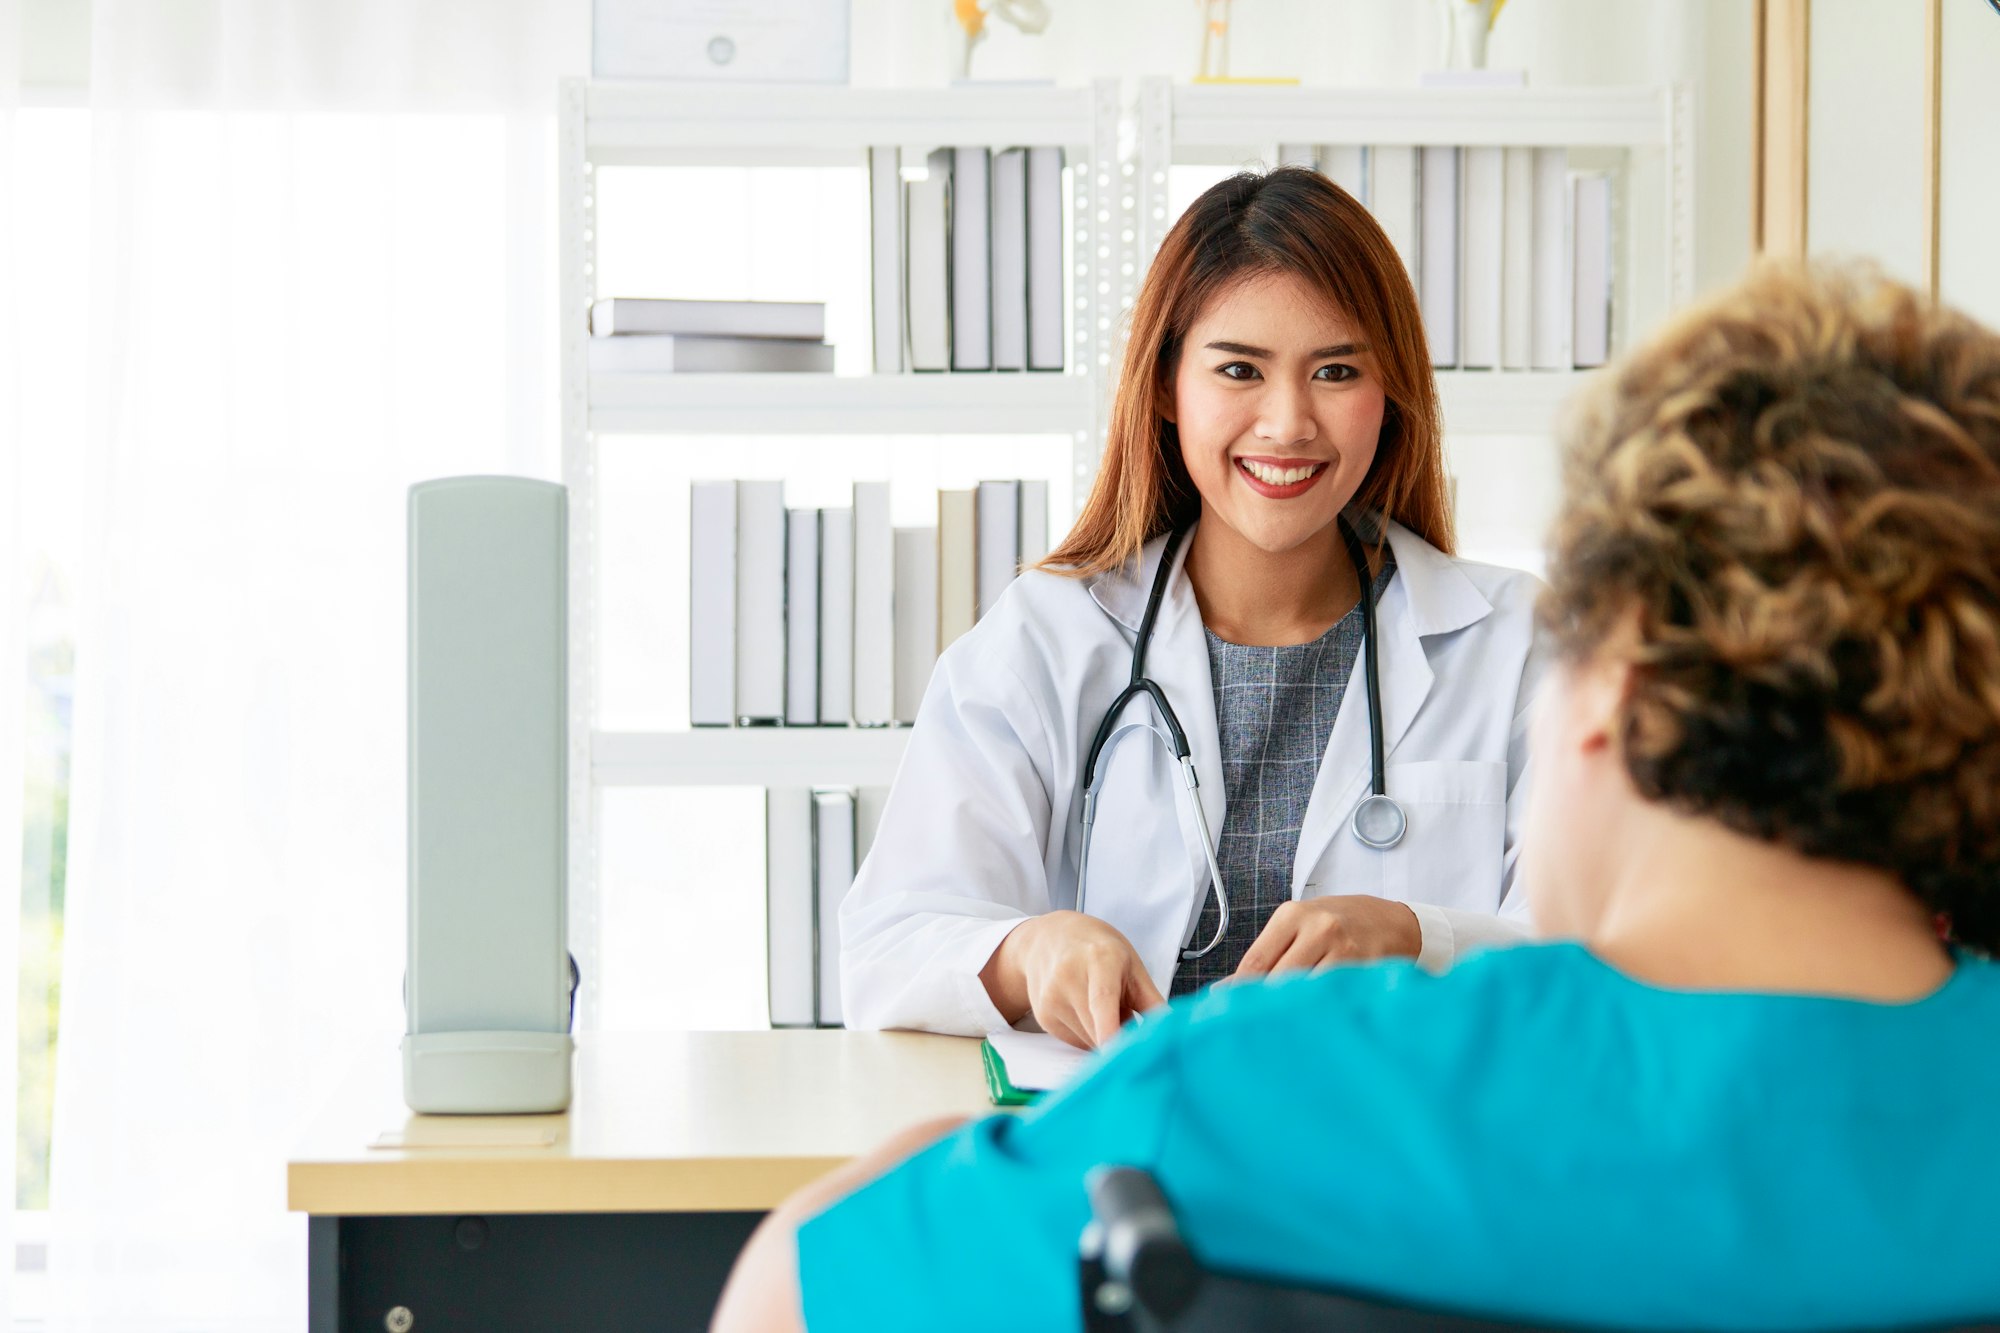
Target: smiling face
x: 1279, y: 407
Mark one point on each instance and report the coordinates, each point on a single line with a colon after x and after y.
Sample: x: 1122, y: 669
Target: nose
x: 1284, y: 414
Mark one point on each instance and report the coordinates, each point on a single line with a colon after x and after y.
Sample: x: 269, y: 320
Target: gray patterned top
x: 1274, y: 710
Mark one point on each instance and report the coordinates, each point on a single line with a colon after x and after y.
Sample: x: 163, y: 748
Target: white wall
x: 1865, y: 177
x: 1969, y: 174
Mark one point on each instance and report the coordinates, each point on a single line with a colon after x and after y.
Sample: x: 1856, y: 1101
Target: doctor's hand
x: 1319, y: 932
x: 1079, y: 977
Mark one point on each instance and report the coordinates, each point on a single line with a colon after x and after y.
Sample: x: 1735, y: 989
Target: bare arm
x: 762, y: 1295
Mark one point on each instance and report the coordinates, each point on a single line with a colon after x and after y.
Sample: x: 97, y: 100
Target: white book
x: 916, y: 617
x: 673, y: 353
x: 958, y: 565
x: 999, y: 539
x: 621, y: 316
x: 1392, y: 198
x: 836, y: 617
x: 791, y: 922
x: 869, y: 802
x: 712, y: 603
x: 1298, y: 155
x: 1481, y: 234
x: 1045, y: 259
x: 1550, y: 334
x: 1517, y: 259
x: 874, y: 606
x: 760, y: 602
x: 1590, y: 196
x: 1010, y: 259
x: 971, y: 260
x: 1346, y: 165
x: 833, y: 875
x: 927, y: 271
x: 885, y: 256
x: 1437, y: 262
x: 802, y: 618
x: 1034, y: 521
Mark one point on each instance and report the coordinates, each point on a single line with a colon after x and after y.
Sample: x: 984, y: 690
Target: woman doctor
x: 1158, y: 760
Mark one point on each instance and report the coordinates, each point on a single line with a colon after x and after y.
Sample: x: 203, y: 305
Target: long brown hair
x: 1290, y: 220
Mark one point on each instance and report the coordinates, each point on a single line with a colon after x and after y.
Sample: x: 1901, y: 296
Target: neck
x: 1262, y: 598
x: 1699, y: 907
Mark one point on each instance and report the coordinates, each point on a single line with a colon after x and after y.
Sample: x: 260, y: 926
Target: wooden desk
x: 624, y: 1212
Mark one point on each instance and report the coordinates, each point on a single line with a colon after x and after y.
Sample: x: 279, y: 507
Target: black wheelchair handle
x: 1142, y: 1245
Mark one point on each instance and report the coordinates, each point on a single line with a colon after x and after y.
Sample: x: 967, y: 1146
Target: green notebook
x: 999, y: 1088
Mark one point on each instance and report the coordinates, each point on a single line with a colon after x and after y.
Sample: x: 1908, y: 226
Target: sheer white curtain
x: 322, y: 268
x: 13, y: 660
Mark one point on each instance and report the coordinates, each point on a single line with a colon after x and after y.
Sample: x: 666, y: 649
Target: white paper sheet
x: 1036, y: 1061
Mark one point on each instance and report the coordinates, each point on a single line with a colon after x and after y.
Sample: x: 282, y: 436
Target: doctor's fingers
x: 1270, y: 945
x: 1141, y: 994
x: 1105, y: 997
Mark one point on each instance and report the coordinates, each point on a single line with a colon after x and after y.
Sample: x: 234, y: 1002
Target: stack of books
x: 1509, y: 248
x: 832, y: 617
x: 639, y: 335
x: 814, y: 841
x: 968, y: 260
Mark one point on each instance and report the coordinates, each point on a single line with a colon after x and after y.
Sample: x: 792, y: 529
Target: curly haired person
x: 1745, y: 1082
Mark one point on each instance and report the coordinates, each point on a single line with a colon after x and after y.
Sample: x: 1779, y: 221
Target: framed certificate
x: 772, y: 41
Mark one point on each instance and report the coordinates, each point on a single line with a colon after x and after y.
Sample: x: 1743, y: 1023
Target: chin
x: 1280, y: 536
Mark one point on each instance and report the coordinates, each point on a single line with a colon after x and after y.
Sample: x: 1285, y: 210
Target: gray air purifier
x: 489, y: 986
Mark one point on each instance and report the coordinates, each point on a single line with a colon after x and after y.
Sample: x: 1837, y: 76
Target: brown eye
x: 1229, y: 371
x: 1336, y: 374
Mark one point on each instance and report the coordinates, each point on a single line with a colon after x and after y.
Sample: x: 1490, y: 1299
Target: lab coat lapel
x: 1178, y: 663
x: 1429, y: 595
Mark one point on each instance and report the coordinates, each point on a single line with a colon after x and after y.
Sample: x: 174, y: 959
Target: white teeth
x: 1278, y: 476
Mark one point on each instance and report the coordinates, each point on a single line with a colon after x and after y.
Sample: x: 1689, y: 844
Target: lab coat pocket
x: 1456, y: 844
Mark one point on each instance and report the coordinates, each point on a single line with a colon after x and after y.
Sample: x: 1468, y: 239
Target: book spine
x: 1045, y: 259
x: 958, y: 565
x: 836, y: 617
x: 1437, y: 268
x: 833, y: 875
x: 1346, y: 165
x: 1009, y: 230
x: 1590, y: 194
x: 760, y: 602
x: 916, y: 617
x: 874, y: 606
x: 971, y: 246
x: 791, y: 931
x: 1482, y: 223
x: 1550, y: 334
x: 927, y: 277
x: 1517, y: 265
x: 885, y: 198
x: 802, y: 618
x: 999, y: 539
x: 712, y: 603
x: 1034, y: 521
x: 1392, y: 191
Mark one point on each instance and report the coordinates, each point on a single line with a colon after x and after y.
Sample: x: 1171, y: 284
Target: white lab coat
x: 982, y: 827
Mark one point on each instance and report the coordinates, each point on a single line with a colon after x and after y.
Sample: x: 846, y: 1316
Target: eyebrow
x: 1245, y: 349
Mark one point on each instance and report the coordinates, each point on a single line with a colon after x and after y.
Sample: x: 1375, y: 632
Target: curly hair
x: 1784, y: 513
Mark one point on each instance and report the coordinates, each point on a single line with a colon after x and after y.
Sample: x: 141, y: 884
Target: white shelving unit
x: 1653, y: 128
x: 612, y: 124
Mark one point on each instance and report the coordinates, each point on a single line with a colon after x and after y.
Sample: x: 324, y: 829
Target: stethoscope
x: 1378, y: 821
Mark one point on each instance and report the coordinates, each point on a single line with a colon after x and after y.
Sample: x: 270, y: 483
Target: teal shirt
x: 1532, y: 1135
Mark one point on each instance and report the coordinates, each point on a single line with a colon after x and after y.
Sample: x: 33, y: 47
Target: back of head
x: 1784, y: 512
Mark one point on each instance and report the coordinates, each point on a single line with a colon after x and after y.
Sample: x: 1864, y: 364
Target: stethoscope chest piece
x: 1379, y: 822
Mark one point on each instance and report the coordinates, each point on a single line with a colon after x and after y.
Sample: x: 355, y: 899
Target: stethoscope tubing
x: 1378, y: 809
